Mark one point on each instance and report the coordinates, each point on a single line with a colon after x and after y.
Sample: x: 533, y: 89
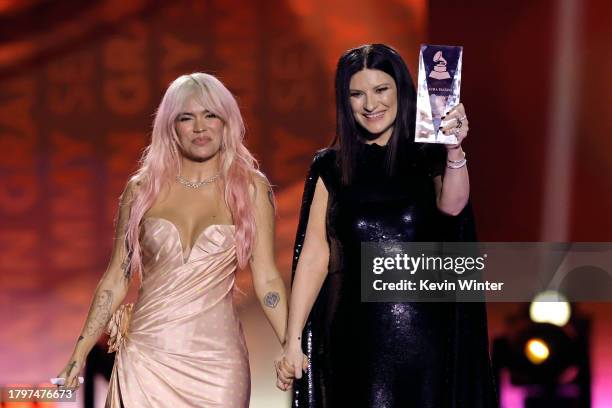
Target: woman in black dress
x: 375, y: 184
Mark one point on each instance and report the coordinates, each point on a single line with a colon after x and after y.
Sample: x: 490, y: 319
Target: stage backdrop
x: 79, y: 83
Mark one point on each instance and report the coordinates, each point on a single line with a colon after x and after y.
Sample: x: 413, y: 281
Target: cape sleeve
x: 322, y: 166
x: 471, y: 376
x: 307, y: 390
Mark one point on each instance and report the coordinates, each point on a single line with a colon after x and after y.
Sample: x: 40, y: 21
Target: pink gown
x: 184, y: 345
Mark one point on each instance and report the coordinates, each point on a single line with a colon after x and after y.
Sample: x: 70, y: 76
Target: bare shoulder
x: 261, y: 190
x: 261, y: 180
x: 131, y: 189
x: 260, y: 185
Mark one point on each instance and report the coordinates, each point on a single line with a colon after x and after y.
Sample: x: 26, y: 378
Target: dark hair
x: 347, y: 139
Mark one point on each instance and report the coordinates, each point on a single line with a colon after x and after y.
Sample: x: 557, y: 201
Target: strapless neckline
x: 178, y: 234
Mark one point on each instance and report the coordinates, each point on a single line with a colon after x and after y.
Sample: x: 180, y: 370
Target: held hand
x: 71, y: 373
x: 284, y: 373
x: 290, y: 365
x: 296, y: 359
x: 455, y: 122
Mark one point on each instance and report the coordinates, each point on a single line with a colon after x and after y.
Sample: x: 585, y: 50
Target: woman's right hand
x: 71, y: 373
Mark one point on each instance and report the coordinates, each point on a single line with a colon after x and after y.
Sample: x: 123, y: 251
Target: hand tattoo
x: 271, y: 299
x: 99, y: 314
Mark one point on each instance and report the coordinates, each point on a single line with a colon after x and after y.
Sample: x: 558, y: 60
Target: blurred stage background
x: 79, y: 82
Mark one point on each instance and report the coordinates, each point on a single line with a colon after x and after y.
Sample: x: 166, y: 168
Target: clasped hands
x: 290, y: 365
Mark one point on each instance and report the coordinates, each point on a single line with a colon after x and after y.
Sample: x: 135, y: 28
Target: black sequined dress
x: 385, y: 355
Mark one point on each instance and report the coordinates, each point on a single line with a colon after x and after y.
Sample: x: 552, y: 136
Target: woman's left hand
x: 455, y: 122
x: 284, y: 373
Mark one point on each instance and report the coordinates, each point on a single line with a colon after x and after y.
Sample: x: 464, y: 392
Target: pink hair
x: 161, y: 161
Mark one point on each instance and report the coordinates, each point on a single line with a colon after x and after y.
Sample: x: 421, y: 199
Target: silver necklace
x: 196, y: 184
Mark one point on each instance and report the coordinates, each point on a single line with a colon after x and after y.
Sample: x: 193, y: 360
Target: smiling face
x: 373, y: 98
x: 199, y: 131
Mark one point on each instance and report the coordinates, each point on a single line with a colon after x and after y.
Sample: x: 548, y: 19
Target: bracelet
x: 457, y: 161
x: 460, y: 164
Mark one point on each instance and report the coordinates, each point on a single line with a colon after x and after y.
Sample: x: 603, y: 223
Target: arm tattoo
x: 271, y: 299
x: 271, y: 198
x: 80, y: 338
x: 99, y: 314
x: 72, y: 365
x: 125, y: 265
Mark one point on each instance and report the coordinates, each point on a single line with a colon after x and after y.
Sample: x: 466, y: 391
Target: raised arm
x: 310, y: 273
x: 453, y: 191
x: 267, y: 281
x: 109, y: 294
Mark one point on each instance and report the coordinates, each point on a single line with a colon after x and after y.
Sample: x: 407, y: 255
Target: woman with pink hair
x: 195, y: 211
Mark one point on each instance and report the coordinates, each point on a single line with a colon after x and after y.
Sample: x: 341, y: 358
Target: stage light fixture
x: 537, y: 350
x: 550, y: 307
x: 546, y: 354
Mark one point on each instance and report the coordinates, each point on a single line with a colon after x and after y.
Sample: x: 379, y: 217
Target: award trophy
x: 438, y: 89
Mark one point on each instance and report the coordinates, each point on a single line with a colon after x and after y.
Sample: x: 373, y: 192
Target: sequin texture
x: 387, y: 354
